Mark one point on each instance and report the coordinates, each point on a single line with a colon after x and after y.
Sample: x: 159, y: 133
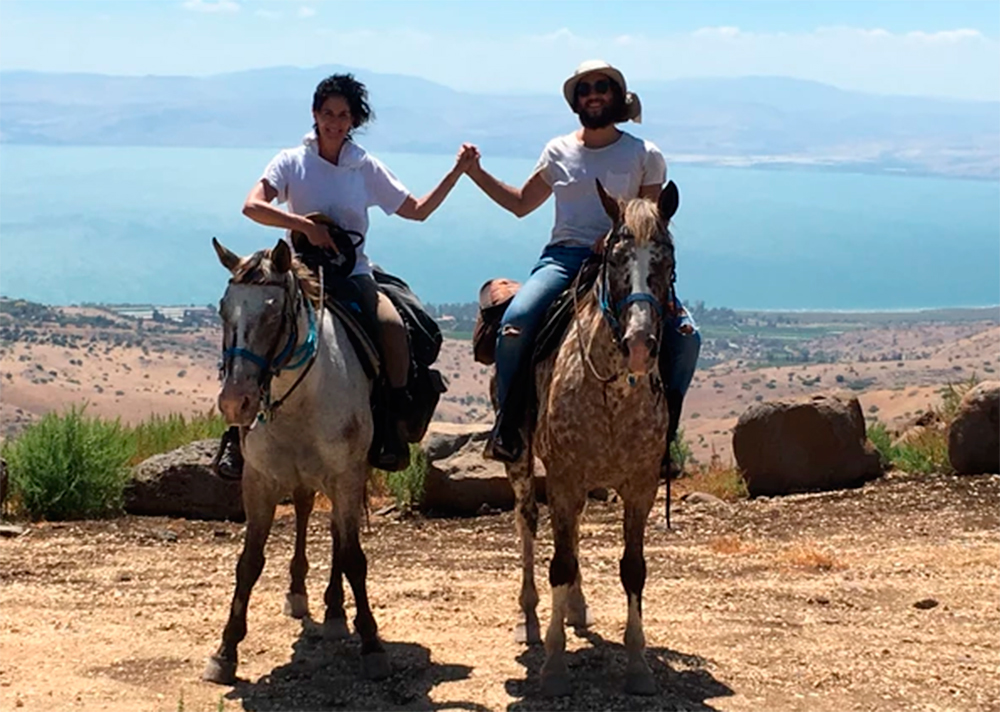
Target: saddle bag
x: 424, y: 384
x: 494, y: 298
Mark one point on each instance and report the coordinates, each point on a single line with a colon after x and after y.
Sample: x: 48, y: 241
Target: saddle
x: 494, y: 298
x: 424, y: 384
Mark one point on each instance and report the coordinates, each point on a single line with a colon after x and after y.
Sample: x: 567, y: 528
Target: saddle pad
x: 362, y: 341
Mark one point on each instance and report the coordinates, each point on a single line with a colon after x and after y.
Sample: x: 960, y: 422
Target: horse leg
x: 563, y: 572
x: 374, y: 661
x: 638, y: 677
x: 297, y: 600
x: 335, y: 620
x: 578, y: 616
x: 528, y: 629
x: 259, y: 502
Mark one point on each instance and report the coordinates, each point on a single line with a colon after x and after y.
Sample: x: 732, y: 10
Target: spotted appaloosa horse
x: 281, y: 341
x: 602, y: 422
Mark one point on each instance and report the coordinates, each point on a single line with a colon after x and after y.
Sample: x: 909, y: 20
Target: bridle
x: 612, y: 313
x: 291, y: 357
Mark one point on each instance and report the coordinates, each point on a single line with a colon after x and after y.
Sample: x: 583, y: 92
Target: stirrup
x: 506, y: 447
x: 228, y: 461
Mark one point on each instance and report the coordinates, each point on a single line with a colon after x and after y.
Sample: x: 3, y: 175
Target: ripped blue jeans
x: 554, y: 272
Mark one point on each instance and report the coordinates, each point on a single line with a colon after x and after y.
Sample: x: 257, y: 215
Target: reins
x: 303, y: 355
x: 611, y: 314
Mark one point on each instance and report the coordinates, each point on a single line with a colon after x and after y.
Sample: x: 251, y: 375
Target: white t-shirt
x: 343, y: 192
x: 570, y: 169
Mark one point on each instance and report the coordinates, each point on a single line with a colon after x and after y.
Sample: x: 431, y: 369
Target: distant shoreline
x: 765, y: 162
x: 962, y: 313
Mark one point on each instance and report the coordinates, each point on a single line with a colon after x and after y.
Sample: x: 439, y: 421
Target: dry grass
x: 730, y: 544
x: 726, y: 483
x: 808, y: 557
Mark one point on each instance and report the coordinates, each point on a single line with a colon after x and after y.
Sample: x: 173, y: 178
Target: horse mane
x: 258, y: 269
x: 643, y: 221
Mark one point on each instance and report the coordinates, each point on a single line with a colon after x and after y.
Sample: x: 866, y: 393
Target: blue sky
x: 947, y: 48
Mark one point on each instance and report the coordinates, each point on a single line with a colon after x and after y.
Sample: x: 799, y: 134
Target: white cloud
x: 948, y: 36
x: 210, y: 6
x: 305, y: 11
x: 717, y: 32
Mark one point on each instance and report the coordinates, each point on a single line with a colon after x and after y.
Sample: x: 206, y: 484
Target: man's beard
x: 604, y: 118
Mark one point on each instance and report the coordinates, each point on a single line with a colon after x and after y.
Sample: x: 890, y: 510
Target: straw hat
x: 632, y: 105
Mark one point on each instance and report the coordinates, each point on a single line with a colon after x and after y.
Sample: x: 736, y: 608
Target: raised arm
x: 421, y: 208
x: 260, y: 208
x: 520, y: 202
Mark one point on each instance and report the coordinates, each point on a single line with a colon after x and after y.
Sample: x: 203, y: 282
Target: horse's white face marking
x: 640, y: 315
x: 251, y: 316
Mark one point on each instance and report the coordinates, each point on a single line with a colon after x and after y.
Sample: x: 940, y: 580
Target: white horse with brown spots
x: 602, y: 422
x: 283, y: 348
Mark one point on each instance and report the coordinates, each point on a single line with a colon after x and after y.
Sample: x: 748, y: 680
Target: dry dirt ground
x: 879, y: 598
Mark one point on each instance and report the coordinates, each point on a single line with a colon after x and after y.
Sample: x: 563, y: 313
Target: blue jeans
x: 553, y: 273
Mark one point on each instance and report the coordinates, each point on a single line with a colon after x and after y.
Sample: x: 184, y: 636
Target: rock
x: 926, y: 604
x: 912, y: 431
x: 445, y: 439
x: 463, y: 482
x: 974, y: 435
x: 181, y: 484
x: 10, y: 531
x: 814, y: 444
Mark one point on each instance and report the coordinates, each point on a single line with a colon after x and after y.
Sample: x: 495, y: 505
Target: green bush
x: 165, y: 433
x: 406, y: 486
x: 69, y: 467
x: 680, y: 450
x: 880, y: 437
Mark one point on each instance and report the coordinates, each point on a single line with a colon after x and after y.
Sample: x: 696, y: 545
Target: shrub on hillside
x: 69, y: 467
x: 160, y: 433
x: 405, y: 486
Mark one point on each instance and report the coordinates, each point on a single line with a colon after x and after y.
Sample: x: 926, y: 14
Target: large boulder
x: 805, y: 445
x: 459, y: 481
x: 181, y: 483
x: 974, y: 435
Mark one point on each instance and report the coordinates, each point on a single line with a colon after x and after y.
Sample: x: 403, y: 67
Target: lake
x: 134, y: 225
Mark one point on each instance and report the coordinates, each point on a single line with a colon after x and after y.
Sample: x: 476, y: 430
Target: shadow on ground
x: 325, y: 675
x: 598, y: 676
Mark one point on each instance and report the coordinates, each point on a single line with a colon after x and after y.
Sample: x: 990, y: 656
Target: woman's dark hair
x: 618, y: 108
x: 354, y: 93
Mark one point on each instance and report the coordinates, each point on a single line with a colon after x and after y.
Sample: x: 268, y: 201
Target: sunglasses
x: 601, y: 86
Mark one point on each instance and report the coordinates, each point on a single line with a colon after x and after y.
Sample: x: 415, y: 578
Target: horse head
x: 260, y: 323
x: 636, y: 285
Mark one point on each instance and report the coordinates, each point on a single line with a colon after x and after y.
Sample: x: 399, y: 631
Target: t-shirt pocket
x: 617, y: 185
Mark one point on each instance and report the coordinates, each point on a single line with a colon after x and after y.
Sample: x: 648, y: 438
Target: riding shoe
x: 228, y: 461
x: 395, y: 453
x: 504, y: 444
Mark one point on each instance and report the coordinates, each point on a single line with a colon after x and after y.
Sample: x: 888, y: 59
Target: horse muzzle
x: 239, y: 403
x: 640, y: 353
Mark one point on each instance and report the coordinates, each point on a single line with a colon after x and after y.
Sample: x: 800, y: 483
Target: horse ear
x: 281, y: 257
x: 668, y: 202
x: 611, y: 206
x: 228, y: 258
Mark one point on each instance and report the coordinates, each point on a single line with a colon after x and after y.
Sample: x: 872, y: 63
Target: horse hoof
x: 220, y: 671
x: 336, y: 629
x: 556, y: 684
x: 375, y: 666
x: 640, y: 683
x: 527, y: 634
x: 580, y: 622
x: 297, y: 605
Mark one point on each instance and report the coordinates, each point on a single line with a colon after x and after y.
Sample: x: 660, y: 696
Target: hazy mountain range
x: 747, y: 121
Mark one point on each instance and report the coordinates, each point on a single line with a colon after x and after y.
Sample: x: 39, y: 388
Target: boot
x: 672, y: 470
x: 504, y: 443
x: 395, y: 453
x: 228, y: 462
